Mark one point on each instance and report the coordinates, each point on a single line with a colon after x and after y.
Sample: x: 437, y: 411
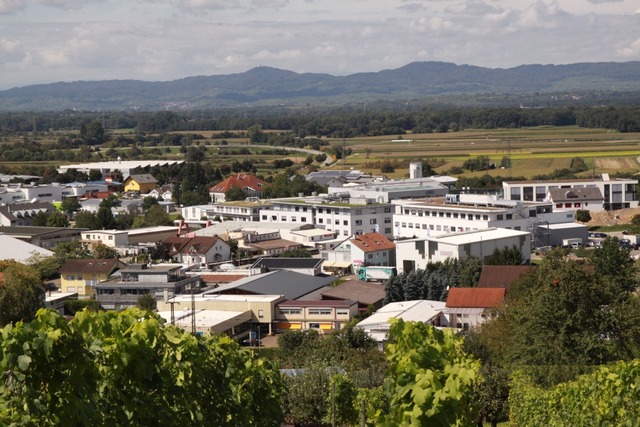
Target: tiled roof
x: 475, y: 297
x: 198, y: 244
x: 373, y: 242
x: 501, y: 276
x: 221, y: 278
x: 241, y: 181
x: 89, y: 266
x: 274, y: 244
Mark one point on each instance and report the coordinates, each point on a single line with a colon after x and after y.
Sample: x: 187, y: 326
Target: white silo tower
x: 415, y: 170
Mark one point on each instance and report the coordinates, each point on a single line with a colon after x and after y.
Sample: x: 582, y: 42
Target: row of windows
x: 316, y: 311
x: 455, y: 215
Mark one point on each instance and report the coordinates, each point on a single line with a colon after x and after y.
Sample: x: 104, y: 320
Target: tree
x: 47, y: 266
x: 127, y: 368
x: 105, y: 219
x: 148, y: 201
x: 95, y: 175
x: 70, y: 205
x: 147, y: 302
x: 430, y: 379
x: 235, y: 193
x: 21, y: 293
x: 102, y: 251
x: 583, y: 215
x: 156, y: 215
x: 71, y: 250
x: 86, y: 219
x: 57, y: 219
x: 509, y: 255
x: 40, y: 219
x: 295, y: 253
x: 111, y: 201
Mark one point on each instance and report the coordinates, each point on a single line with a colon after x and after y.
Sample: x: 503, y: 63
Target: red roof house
x: 468, y: 307
x: 248, y: 183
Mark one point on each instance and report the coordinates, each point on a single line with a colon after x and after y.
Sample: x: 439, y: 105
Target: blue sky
x: 44, y: 41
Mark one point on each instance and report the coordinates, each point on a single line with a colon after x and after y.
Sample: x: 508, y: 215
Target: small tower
x: 415, y: 170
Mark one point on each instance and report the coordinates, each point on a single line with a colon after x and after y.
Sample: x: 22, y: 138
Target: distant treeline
x: 337, y: 123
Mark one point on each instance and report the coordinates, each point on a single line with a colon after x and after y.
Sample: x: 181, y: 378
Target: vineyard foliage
x: 607, y: 397
x: 430, y: 380
x: 128, y: 368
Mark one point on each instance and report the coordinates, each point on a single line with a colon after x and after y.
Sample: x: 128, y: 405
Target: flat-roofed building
x: 470, y: 212
x: 324, y: 316
x: 388, y: 191
x: 415, y: 254
x: 45, y: 237
x: 618, y: 193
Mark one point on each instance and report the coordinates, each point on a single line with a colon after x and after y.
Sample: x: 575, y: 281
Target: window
x: 320, y: 221
x: 303, y: 219
x: 293, y: 219
x: 274, y: 218
x: 320, y: 311
x: 370, y: 256
x: 358, y: 222
x: 387, y: 230
x: 314, y: 325
x: 337, y: 222
x: 387, y: 210
x: 500, y: 217
x: 373, y: 221
x: 284, y: 218
x: 485, y: 217
x: 290, y: 310
x: 345, y: 222
x: 387, y: 220
x: 70, y: 277
x: 342, y: 311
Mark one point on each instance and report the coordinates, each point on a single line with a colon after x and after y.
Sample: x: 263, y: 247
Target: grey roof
x: 32, y: 231
x: 144, y: 178
x: 13, y: 210
x: 284, y: 263
x: 289, y: 284
x: 575, y: 194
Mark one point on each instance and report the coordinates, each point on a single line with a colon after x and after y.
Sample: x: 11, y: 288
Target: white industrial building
x: 126, y: 167
x: 618, y: 193
x: 387, y: 191
x: 469, y: 212
x: 413, y: 254
x: 342, y: 215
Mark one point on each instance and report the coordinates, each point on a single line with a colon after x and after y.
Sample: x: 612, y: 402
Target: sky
x: 45, y: 41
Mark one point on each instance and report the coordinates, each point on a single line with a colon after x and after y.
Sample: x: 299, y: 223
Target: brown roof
x: 144, y: 178
x: 356, y: 290
x: 575, y: 194
x: 475, y: 297
x: 316, y: 303
x: 240, y: 181
x: 373, y: 242
x: 198, y: 244
x: 93, y: 266
x: 502, y: 276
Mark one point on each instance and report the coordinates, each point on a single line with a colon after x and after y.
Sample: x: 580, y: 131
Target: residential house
x: 412, y: 254
x: 163, y: 192
x: 249, y: 183
x: 82, y: 275
x: 572, y: 199
x: 501, y: 276
x: 142, y: 183
x: 200, y: 251
x: 618, y: 193
x: 22, y: 214
x: 161, y: 281
x: 470, y: 307
x: 372, y: 249
x: 110, y: 238
x: 323, y: 316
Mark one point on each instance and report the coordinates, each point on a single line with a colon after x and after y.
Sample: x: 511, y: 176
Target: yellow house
x: 142, y: 183
x: 81, y: 275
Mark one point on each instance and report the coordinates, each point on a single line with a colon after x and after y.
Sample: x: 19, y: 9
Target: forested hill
x: 271, y: 86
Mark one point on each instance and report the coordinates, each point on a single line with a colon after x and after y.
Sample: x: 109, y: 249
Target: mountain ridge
x: 263, y: 85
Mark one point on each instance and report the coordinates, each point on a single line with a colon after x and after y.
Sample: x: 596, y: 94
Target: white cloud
x: 630, y: 51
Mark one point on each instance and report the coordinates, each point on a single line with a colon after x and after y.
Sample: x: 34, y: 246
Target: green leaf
x: 23, y: 362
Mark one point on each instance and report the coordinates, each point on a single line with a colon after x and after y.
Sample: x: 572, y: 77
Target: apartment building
x: 618, y: 193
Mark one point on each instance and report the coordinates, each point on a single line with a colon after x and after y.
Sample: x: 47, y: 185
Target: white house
x: 572, y: 199
x: 415, y: 254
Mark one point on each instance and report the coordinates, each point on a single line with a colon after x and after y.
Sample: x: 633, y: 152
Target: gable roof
x: 199, y: 244
x: 12, y: 248
x: 475, y: 297
x: 501, y: 276
x: 90, y: 266
x: 575, y: 194
x: 144, y: 178
x: 373, y: 242
x: 280, y: 263
x: 13, y: 211
x: 240, y: 181
x: 287, y: 283
x: 366, y: 293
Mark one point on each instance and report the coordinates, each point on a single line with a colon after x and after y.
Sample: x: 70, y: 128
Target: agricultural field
x: 533, y: 151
